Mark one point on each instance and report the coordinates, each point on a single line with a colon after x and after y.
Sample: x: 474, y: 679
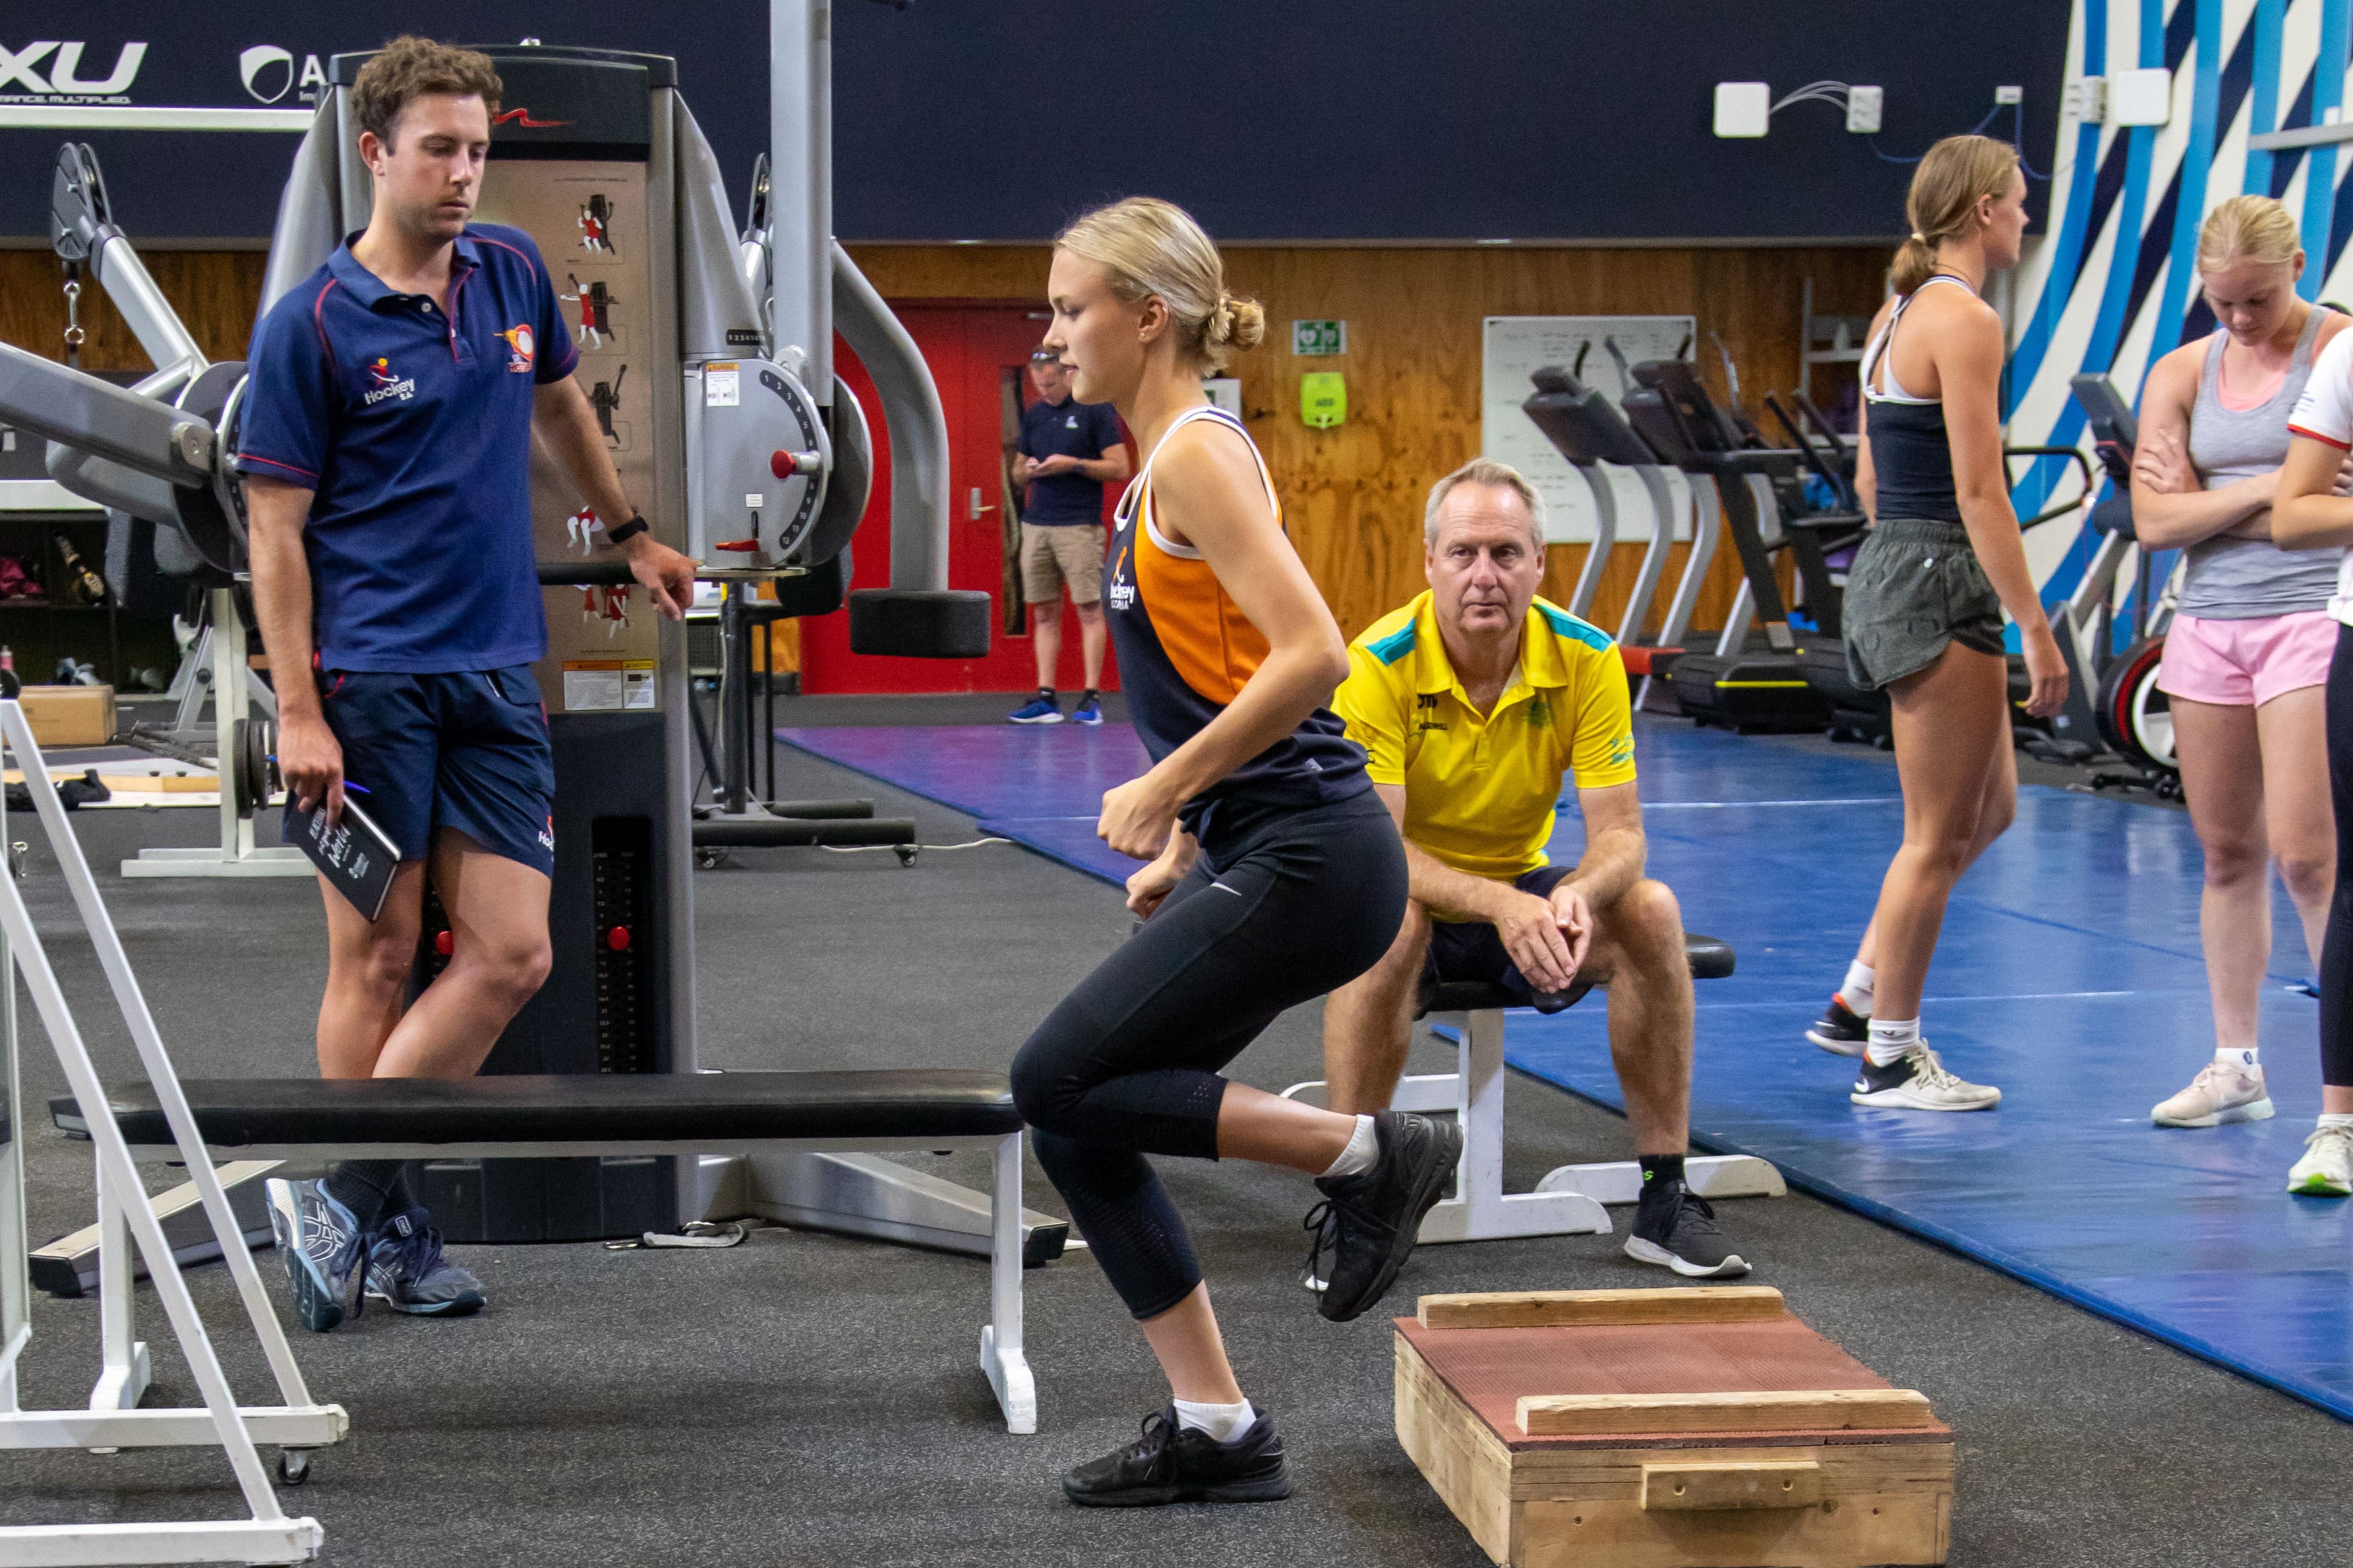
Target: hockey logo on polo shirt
x: 518, y: 341
x: 388, y: 384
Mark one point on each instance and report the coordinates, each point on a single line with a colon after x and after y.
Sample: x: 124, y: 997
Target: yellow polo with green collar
x: 1480, y: 789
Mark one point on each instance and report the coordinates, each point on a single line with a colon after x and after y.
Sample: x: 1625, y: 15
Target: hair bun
x: 1244, y: 321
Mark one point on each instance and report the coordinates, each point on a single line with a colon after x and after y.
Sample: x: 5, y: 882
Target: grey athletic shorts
x: 1915, y: 586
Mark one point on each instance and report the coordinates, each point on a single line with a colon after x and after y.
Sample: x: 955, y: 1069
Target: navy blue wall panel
x: 1311, y: 119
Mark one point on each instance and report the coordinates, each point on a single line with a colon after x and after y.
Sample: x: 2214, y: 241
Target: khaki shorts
x: 1058, y: 553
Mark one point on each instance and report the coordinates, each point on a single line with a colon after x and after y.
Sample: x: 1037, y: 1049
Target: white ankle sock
x: 1855, y: 989
x: 2243, y: 1060
x: 1364, y: 1148
x: 1223, y: 1423
x: 1890, y: 1038
x: 2336, y: 1119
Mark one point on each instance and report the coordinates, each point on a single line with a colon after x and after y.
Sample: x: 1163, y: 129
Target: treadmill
x: 1731, y: 686
x: 1588, y: 431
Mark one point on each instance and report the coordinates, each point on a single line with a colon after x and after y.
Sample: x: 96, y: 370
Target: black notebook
x: 353, y: 853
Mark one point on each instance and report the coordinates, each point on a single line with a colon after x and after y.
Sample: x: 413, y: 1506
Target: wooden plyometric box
x: 70, y: 715
x: 1698, y: 1428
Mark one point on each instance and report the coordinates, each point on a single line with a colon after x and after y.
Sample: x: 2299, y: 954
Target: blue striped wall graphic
x: 2112, y: 285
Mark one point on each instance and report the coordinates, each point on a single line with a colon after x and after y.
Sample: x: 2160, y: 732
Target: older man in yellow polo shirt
x: 1473, y: 702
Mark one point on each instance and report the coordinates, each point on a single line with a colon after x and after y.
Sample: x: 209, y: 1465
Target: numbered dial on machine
x: 757, y: 458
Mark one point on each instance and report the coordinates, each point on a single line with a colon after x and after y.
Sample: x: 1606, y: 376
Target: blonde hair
x: 1485, y: 472
x: 1958, y: 172
x: 1150, y: 247
x: 2258, y: 229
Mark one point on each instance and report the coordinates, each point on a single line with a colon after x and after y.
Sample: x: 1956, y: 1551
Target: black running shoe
x: 1369, y: 1221
x: 1840, y: 1029
x: 1676, y: 1229
x: 1178, y: 1464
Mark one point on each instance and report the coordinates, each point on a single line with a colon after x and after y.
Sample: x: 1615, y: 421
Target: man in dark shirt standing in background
x: 1068, y: 452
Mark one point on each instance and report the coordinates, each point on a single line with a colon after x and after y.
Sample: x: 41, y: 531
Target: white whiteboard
x: 1516, y: 347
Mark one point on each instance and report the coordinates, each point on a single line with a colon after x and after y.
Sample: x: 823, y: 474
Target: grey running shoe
x: 320, y: 1241
x: 1676, y: 1229
x: 408, y: 1273
x: 1917, y: 1080
x: 1177, y: 1464
x: 1368, y: 1222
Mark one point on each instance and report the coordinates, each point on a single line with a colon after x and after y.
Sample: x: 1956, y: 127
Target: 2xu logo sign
x: 269, y: 74
x: 20, y: 70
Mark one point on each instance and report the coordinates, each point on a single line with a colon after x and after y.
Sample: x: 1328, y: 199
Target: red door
x: 971, y: 350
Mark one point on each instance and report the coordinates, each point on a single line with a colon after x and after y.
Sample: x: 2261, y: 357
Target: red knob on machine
x: 784, y: 464
x: 443, y: 942
x: 617, y: 939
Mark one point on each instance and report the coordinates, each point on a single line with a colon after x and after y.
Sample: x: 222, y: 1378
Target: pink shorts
x: 2245, y: 664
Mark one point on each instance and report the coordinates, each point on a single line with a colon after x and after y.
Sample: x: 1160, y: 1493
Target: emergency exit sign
x: 1319, y: 337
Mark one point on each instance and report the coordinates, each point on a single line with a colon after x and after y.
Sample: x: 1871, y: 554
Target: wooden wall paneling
x: 1353, y: 496
x: 216, y: 294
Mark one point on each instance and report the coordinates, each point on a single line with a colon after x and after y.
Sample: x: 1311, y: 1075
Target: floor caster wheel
x: 293, y: 1465
x: 907, y: 853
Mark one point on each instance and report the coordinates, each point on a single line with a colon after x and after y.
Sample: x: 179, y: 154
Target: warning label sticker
x: 608, y: 685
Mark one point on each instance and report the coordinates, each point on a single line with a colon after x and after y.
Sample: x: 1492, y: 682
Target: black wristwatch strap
x: 629, y: 529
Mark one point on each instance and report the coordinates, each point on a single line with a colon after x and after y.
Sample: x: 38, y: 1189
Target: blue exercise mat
x: 2068, y: 974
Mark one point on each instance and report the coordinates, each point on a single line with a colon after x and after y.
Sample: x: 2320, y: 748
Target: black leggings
x: 1127, y: 1066
x: 2337, y: 951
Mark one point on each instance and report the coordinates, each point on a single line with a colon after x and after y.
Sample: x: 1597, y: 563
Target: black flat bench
x: 571, y: 1115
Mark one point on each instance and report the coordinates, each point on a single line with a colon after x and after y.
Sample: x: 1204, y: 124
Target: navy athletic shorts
x: 1472, y: 951
x: 468, y: 750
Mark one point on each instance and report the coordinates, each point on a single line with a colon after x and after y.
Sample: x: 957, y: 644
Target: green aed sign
x: 1319, y: 337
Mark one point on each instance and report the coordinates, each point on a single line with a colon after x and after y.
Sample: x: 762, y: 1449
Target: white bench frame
x: 1569, y: 1200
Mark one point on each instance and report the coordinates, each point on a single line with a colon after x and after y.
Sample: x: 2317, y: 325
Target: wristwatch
x: 628, y: 531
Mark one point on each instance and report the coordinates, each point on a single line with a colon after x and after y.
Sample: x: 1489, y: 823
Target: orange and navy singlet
x: 1186, y: 650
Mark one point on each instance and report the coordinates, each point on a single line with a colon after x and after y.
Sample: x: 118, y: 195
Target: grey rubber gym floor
x: 810, y: 1399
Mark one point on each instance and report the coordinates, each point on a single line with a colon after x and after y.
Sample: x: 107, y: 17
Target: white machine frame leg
x: 233, y: 699
x: 122, y: 1357
x: 268, y: 1535
x: 1001, y: 1354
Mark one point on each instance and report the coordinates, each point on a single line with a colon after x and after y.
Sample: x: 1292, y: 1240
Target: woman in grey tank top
x: 2246, y: 660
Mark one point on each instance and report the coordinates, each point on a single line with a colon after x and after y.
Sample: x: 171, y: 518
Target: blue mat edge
x: 2337, y: 1405
x: 1010, y: 827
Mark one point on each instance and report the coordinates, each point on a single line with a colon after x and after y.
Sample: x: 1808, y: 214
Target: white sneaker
x: 2326, y: 1169
x: 1917, y: 1080
x: 2223, y: 1091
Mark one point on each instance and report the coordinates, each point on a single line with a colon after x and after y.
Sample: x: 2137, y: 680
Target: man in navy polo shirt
x: 1070, y: 450
x: 387, y: 438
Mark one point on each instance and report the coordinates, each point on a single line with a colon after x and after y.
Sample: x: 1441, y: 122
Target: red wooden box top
x: 1490, y: 1369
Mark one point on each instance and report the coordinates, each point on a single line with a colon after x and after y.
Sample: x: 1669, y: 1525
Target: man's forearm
x: 282, y: 605
x: 1612, y: 862
x: 1443, y: 890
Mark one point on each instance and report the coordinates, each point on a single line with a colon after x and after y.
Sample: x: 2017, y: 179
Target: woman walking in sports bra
x: 1275, y: 874
x: 1925, y: 601
x: 2246, y: 660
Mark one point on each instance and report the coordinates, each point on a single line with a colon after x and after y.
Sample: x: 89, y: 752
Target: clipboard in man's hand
x: 353, y: 853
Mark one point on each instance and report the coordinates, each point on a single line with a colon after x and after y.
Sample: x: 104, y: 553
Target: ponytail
x: 1957, y: 174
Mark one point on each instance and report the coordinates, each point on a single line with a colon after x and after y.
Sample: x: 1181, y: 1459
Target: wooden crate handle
x: 1600, y: 1308
x: 1676, y: 1489
x: 1809, y: 1410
